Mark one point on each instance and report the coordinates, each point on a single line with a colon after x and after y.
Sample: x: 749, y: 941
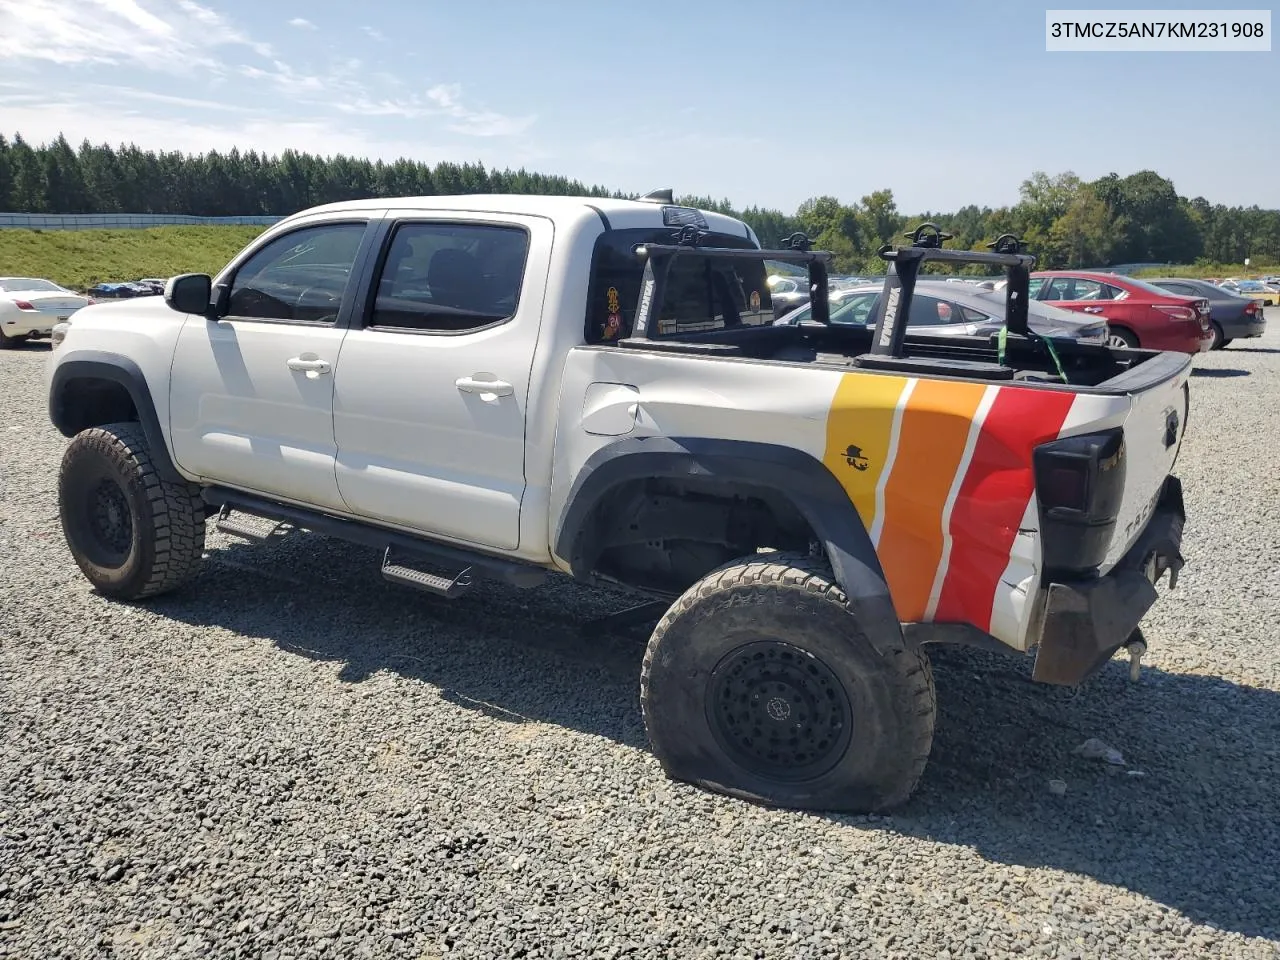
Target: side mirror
x: 189, y: 293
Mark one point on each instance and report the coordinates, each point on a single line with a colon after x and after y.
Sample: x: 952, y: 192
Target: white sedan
x: 30, y: 307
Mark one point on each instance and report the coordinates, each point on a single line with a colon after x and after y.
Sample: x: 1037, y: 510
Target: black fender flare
x: 797, y: 476
x: 117, y: 368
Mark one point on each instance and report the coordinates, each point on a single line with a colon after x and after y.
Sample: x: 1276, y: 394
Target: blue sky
x: 945, y: 103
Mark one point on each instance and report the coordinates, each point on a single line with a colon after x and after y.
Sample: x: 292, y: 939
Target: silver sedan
x: 940, y: 309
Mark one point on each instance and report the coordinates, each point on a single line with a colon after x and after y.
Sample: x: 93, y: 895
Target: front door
x: 251, y: 393
x: 431, y: 395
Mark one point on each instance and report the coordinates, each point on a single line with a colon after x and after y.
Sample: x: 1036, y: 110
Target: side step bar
x: 250, y: 527
x: 274, y: 515
x: 450, y: 589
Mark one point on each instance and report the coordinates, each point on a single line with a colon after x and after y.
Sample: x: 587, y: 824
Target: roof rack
x: 893, y: 309
x: 658, y: 258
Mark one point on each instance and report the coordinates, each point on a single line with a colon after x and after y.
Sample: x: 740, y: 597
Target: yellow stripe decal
x: 859, y: 427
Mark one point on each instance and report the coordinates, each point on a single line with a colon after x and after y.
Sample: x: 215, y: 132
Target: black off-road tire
x: 760, y: 683
x: 132, y: 533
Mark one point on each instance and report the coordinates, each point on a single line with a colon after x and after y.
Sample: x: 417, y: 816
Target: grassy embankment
x: 81, y: 258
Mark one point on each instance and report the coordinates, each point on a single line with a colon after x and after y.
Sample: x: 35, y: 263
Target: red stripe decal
x: 993, y: 498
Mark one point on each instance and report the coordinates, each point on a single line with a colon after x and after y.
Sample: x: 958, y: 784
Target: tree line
x: 1064, y: 220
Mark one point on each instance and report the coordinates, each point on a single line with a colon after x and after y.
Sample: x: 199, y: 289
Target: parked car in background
x: 1138, y: 314
x: 1231, y: 316
x: 30, y: 306
x: 941, y: 309
x: 787, y: 293
x: 1264, y: 293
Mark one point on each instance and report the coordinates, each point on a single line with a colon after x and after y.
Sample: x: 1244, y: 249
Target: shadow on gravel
x: 1235, y: 349
x: 1219, y: 372
x: 1199, y: 831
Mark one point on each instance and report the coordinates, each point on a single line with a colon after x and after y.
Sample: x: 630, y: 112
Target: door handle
x: 1092, y: 309
x: 312, y: 366
x: 495, y: 388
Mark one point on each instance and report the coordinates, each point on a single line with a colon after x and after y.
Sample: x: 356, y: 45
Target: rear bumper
x: 1244, y: 328
x: 21, y: 326
x: 1087, y: 621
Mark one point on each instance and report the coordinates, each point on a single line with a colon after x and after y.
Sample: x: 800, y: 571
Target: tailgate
x: 1153, y: 432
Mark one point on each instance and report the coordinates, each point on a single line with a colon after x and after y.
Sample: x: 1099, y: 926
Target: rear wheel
x: 8, y: 343
x: 760, y: 683
x: 1218, y: 341
x: 1121, y: 339
x: 132, y: 533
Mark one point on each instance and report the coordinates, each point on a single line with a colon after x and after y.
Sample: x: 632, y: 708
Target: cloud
x: 173, y: 37
x: 476, y: 123
x: 302, y: 23
x: 376, y: 34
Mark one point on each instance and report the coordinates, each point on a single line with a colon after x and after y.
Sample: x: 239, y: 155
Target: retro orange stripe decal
x: 931, y: 444
x: 859, y: 430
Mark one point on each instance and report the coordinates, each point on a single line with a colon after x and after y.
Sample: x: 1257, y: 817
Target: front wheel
x: 760, y: 683
x: 132, y: 533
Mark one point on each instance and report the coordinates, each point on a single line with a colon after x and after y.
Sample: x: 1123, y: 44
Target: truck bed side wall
x: 938, y: 471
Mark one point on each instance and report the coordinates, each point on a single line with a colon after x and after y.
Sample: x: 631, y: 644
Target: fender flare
x: 797, y: 476
x: 102, y: 365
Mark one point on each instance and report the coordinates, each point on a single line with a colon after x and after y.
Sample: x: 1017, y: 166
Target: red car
x: 1138, y: 314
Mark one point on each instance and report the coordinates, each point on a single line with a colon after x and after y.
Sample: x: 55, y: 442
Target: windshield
x: 14, y: 284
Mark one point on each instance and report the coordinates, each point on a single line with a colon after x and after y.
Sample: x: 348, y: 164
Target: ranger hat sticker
x: 755, y: 299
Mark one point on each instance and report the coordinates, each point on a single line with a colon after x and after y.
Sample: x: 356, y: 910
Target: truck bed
x: 1089, y: 368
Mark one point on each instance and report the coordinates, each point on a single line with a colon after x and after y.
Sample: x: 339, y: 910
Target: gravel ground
x: 293, y: 759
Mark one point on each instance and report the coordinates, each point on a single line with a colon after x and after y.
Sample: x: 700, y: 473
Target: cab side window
x: 450, y: 277
x: 299, y: 277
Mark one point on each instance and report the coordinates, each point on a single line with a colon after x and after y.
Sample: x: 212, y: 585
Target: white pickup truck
x: 515, y: 386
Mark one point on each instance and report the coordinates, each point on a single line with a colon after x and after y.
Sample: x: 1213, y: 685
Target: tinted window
x: 1185, y: 289
x: 450, y: 276
x: 299, y: 276
x: 703, y: 293
x: 1071, y: 288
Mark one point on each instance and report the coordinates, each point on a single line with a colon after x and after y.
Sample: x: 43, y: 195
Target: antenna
x: 664, y: 195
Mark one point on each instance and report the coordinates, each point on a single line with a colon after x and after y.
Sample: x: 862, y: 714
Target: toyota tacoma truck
x: 517, y: 387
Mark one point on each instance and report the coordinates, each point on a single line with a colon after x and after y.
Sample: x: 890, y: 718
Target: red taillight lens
x: 91, y: 302
x: 1251, y: 307
x: 23, y: 305
x: 1177, y: 313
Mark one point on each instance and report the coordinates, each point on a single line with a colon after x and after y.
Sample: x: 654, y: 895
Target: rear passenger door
x: 431, y: 391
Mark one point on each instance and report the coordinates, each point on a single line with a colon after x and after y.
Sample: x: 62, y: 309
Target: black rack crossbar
x: 894, y: 306
x: 658, y: 258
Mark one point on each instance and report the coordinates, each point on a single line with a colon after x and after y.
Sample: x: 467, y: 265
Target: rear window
x: 703, y: 293
x: 27, y: 284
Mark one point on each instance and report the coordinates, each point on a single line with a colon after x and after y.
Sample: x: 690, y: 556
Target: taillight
x: 23, y: 305
x: 1251, y: 307
x: 1079, y: 485
x: 91, y: 301
x: 1177, y: 313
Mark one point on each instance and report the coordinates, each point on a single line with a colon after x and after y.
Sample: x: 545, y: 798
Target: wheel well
x: 92, y: 401
x: 661, y: 535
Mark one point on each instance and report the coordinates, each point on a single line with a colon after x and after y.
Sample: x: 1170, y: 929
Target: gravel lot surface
x: 293, y: 759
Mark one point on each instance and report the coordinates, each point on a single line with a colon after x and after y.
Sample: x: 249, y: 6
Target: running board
x: 249, y: 526
x: 406, y: 545
x: 432, y: 583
